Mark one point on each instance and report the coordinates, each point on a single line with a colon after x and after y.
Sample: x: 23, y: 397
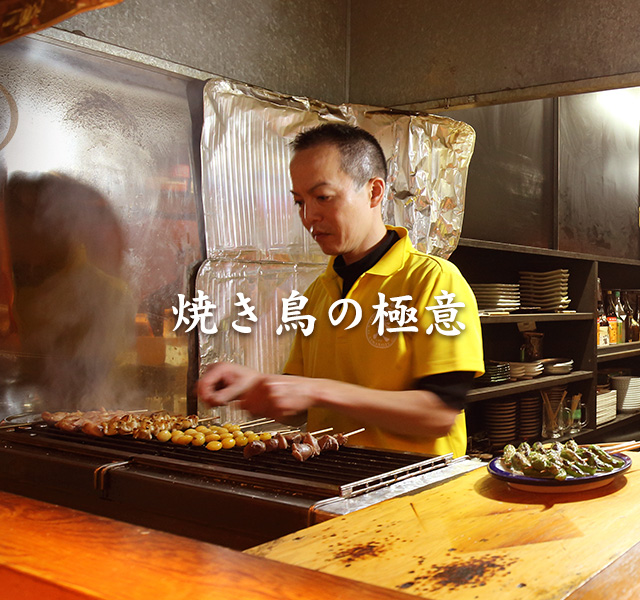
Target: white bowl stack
x: 557, y: 366
x: 628, y: 392
x: 546, y: 290
x: 606, y: 406
x: 497, y: 297
x: 526, y: 370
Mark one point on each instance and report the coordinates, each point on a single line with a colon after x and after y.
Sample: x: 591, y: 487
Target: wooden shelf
x: 537, y: 251
x: 611, y: 431
x: 570, y: 334
x: 527, y: 317
x: 618, y: 351
x: 526, y: 385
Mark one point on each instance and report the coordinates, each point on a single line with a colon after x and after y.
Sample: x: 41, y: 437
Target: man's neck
x: 377, y: 238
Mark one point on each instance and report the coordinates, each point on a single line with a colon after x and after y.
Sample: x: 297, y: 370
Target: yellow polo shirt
x: 445, y: 339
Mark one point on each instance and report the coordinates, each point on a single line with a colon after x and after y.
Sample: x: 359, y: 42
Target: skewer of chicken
x: 311, y: 447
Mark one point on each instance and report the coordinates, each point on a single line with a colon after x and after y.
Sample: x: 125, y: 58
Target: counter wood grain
x: 475, y: 537
x: 47, y: 551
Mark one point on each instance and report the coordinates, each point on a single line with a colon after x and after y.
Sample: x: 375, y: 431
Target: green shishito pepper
x: 558, y: 461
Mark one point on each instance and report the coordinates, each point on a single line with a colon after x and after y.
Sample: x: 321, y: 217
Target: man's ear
x: 377, y: 187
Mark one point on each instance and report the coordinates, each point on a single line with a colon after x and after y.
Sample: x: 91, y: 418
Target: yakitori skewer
x: 256, y: 422
x: 309, y: 446
x: 355, y: 432
x: 207, y: 419
x: 321, y: 431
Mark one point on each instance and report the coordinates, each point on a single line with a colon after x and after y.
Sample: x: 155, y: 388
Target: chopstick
x: 620, y: 446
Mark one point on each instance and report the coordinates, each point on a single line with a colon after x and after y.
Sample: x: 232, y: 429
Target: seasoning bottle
x: 635, y: 327
x: 630, y: 322
x: 622, y: 318
x: 612, y: 318
x: 602, y: 325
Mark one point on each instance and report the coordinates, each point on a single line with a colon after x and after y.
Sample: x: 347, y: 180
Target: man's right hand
x: 224, y: 382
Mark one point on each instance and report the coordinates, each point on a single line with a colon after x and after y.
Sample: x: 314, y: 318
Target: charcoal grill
x: 220, y: 497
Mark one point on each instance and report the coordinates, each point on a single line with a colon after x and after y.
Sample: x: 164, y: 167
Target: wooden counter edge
x: 30, y: 566
x: 614, y: 581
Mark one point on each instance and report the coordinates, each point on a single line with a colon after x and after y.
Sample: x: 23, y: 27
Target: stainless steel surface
x: 26, y: 419
x: 376, y: 482
x: 348, y: 472
x: 598, y: 173
x: 336, y: 506
x: 511, y: 177
x: 131, y: 133
x: 420, y: 50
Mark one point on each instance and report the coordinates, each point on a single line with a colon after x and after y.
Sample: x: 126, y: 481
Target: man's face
x: 339, y: 217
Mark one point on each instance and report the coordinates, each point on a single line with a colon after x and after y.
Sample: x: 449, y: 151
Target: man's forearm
x: 413, y: 413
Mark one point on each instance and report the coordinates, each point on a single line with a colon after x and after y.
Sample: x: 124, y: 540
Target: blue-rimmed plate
x: 569, y: 485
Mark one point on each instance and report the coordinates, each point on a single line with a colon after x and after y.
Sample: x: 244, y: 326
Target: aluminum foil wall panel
x: 245, y: 169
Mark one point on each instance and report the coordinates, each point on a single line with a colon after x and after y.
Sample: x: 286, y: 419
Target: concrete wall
x: 412, y: 51
x: 420, y: 54
x: 292, y: 46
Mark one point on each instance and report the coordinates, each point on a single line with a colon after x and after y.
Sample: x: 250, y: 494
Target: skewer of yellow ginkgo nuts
x: 217, y: 437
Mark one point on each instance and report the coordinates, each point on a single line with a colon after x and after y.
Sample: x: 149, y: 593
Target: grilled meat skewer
x: 302, y: 451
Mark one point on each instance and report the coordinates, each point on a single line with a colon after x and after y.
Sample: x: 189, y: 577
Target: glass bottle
x: 602, y: 325
x: 622, y: 318
x: 635, y: 330
x: 630, y: 323
x: 612, y: 318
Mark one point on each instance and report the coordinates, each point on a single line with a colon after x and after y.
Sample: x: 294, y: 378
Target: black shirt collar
x: 350, y: 273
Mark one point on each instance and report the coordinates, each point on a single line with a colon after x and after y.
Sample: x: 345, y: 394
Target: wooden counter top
x: 476, y: 537
x: 469, y: 538
x: 53, y: 553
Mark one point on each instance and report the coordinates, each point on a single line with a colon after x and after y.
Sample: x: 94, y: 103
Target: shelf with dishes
x: 526, y: 385
x: 545, y: 291
x: 551, y: 294
x: 525, y: 317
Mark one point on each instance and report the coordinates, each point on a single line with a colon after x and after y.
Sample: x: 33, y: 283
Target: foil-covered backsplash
x: 245, y: 168
x: 264, y: 285
x: 256, y: 244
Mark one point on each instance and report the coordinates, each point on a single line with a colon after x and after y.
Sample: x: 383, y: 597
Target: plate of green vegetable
x: 557, y: 468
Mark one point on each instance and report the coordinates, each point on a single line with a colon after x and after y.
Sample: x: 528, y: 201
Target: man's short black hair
x: 362, y: 157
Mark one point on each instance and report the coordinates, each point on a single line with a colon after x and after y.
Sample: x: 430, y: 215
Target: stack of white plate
x: 606, y: 406
x: 529, y: 418
x: 526, y: 370
x: 500, y: 421
x: 557, y: 366
x: 546, y: 290
x: 628, y: 392
x: 495, y: 372
x: 503, y: 297
x: 517, y: 370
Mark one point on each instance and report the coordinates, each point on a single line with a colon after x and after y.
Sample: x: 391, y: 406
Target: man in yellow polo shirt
x: 396, y: 339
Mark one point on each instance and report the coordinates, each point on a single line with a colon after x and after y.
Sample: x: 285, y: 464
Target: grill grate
x: 348, y: 472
